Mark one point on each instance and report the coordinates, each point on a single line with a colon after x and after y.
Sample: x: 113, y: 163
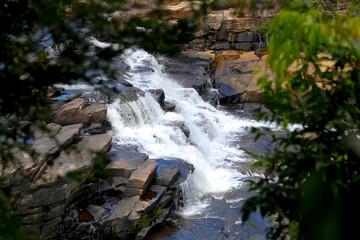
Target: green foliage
x: 353, y: 8
x: 313, y: 176
x: 144, y: 222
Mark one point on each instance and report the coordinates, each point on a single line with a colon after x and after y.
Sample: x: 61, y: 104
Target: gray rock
x: 164, y: 202
x: 47, y: 196
x: 160, y: 191
x: 167, y: 176
x: 97, y: 128
x: 116, y: 221
x: 123, y: 167
x: 97, y: 212
x: 182, y: 126
x: 169, y: 107
x: 53, y: 128
x: 245, y: 37
x: 67, y: 134
x: 245, y: 46
x: 158, y: 95
x: 45, y: 145
x: 130, y: 192
x: 96, y: 143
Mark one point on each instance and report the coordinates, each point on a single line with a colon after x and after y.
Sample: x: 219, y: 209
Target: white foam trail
x: 145, y: 124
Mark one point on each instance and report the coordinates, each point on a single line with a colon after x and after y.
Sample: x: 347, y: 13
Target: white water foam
x: 143, y: 123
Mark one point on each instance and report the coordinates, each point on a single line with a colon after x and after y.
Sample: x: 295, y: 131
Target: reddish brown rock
x: 142, y: 176
x: 81, y: 111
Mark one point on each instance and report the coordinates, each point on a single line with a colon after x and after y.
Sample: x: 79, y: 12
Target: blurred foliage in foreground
x: 314, y: 174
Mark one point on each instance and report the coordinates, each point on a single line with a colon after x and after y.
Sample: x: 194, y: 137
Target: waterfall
x: 209, y: 147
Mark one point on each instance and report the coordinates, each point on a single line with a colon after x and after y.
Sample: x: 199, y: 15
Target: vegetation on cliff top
x: 310, y: 191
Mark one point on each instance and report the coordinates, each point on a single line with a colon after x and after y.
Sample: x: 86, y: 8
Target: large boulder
x: 81, y: 111
x: 234, y: 78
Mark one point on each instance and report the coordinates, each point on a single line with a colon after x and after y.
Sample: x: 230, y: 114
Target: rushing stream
x: 215, y: 191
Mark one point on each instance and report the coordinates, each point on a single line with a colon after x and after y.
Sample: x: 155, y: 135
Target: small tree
x: 314, y: 174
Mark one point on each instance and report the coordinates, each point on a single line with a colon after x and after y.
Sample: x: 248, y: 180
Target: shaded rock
x: 130, y: 192
x: 116, y: 221
x: 97, y: 128
x: 164, y: 202
x: 53, y: 128
x: 169, y: 107
x: 160, y: 191
x: 128, y: 94
x: 97, y: 212
x: 182, y: 126
x: 158, y: 95
x: 167, y: 176
x: 123, y: 167
x: 81, y: 161
x: 47, y: 196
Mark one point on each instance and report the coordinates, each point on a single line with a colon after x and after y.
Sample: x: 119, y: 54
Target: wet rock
x: 167, y: 176
x: 123, y: 167
x: 158, y: 95
x: 97, y: 128
x: 128, y: 94
x: 160, y: 191
x: 97, y: 212
x: 164, y: 202
x: 182, y: 126
x: 169, y: 107
x: 116, y: 221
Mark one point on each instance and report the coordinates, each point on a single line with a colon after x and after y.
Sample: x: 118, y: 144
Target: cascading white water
x: 208, y: 148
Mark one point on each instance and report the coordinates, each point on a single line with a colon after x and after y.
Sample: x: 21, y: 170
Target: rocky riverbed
x: 102, y: 185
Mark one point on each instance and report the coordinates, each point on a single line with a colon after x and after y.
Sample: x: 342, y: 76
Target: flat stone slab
x: 45, y: 145
x: 167, y: 176
x: 142, y: 176
x: 81, y: 161
x: 96, y: 143
x: 123, y: 167
x: 67, y: 134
